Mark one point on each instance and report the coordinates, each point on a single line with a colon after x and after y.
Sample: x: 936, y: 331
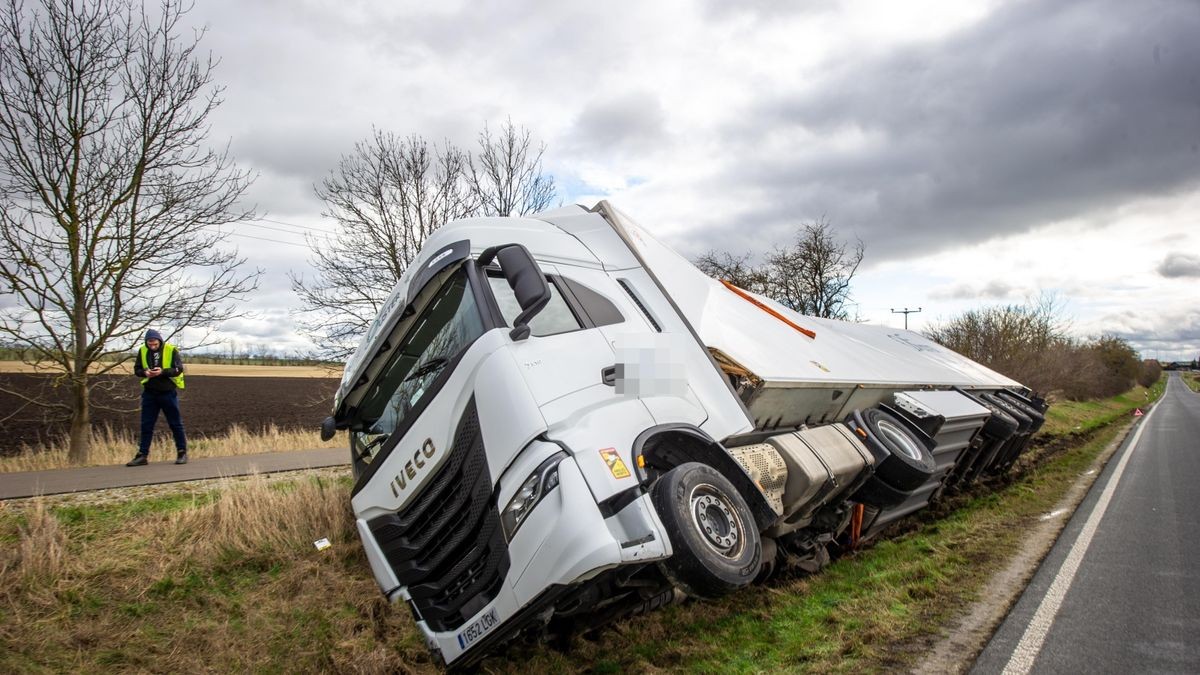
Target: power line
x: 267, y: 227
x: 906, y: 311
x: 273, y: 241
x: 280, y: 222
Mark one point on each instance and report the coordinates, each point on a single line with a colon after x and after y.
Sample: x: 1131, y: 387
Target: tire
x: 1000, y: 425
x: 1035, y: 416
x: 901, y: 460
x: 1024, y: 422
x: 693, y: 498
x: 879, y: 494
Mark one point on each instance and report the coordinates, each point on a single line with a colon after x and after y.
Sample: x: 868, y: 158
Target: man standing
x: 160, y: 367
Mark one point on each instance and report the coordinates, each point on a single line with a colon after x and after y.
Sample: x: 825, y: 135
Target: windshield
x: 446, y: 327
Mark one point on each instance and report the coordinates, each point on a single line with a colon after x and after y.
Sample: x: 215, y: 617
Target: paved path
x: 1120, y: 590
x: 58, y: 481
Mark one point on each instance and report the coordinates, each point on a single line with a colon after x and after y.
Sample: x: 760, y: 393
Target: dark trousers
x: 168, y: 403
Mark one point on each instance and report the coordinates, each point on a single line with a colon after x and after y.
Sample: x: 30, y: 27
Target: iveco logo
x: 413, y: 466
x: 439, y: 256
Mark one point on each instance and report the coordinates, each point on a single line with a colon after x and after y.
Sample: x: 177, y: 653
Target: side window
x: 555, y: 317
x: 598, y: 309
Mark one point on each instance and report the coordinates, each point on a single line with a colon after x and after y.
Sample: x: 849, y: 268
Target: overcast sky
x: 984, y: 152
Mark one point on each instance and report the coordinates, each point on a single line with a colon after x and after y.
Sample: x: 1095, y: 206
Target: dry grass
x: 1192, y: 380
x: 259, y: 517
x: 227, y: 581
x: 1066, y: 418
x: 41, y: 547
x: 202, y: 369
x: 116, y: 447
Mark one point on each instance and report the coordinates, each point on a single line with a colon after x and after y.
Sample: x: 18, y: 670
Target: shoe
x: 138, y: 460
x: 181, y: 458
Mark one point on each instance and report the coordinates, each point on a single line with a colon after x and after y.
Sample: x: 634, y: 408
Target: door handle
x: 609, y: 375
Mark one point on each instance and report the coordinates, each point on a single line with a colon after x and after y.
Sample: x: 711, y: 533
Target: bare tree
x: 737, y: 270
x: 110, y: 199
x: 1028, y: 342
x: 387, y: 197
x: 506, y: 174
x: 813, y: 274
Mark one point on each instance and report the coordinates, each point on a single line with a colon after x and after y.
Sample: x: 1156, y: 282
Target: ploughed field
x: 211, y: 405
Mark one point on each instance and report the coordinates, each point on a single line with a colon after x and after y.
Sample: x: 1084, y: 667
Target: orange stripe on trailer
x: 767, y: 309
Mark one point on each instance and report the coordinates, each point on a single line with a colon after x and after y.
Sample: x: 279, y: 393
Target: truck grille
x: 447, y: 546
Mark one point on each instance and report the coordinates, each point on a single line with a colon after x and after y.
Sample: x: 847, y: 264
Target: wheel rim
x: 716, y: 520
x: 902, y: 440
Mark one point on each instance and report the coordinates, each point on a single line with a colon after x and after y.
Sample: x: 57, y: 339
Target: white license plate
x: 478, y: 628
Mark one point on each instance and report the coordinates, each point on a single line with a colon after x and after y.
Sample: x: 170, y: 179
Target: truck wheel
x: 714, y: 536
x: 908, y: 463
x: 880, y: 494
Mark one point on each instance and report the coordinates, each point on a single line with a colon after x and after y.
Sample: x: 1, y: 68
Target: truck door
x: 565, y: 354
x: 424, y: 476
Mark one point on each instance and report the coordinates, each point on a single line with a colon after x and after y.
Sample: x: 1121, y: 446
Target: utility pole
x: 906, y: 311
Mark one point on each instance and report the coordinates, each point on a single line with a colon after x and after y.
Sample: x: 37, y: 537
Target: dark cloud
x: 1180, y: 265
x: 1042, y: 111
x: 630, y: 122
x: 295, y: 151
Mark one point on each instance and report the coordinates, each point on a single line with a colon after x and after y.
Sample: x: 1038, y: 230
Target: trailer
x: 556, y: 421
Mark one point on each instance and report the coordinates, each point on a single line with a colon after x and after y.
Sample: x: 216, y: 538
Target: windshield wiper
x: 365, y: 454
x: 430, y: 366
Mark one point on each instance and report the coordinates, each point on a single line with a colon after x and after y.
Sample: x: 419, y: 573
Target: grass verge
x: 116, y: 447
x: 228, y: 579
x: 1192, y: 380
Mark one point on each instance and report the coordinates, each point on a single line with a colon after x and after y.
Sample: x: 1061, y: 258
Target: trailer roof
x: 842, y: 353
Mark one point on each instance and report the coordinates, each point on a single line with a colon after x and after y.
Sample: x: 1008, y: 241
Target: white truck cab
x: 556, y: 421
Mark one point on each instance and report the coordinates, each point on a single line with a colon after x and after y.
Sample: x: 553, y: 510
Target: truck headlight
x: 536, y: 486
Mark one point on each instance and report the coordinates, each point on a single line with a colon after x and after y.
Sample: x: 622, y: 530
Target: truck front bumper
x: 564, y: 542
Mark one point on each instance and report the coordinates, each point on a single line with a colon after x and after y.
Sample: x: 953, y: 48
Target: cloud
x: 1173, y: 334
x: 1040, y: 112
x: 993, y: 290
x: 764, y: 10
x: 264, y: 327
x: 1180, y: 265
x: 629, y: 122
x: 920, y: 128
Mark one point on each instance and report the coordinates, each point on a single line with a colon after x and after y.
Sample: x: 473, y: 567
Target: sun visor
x: 443, y: 258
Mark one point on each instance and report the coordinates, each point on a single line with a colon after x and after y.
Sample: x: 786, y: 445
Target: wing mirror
x: 328, y: 428
x: 526, y: 280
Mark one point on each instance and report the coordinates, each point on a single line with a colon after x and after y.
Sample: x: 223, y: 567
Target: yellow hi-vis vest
x: 168, y: 356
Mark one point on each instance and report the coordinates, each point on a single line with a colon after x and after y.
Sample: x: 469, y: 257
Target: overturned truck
x: 556, y: 421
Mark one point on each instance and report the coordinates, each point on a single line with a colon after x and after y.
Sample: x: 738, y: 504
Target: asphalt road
x: 58, y: 481
x: 1120, y: 590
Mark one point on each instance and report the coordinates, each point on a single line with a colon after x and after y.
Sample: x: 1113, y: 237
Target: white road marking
x: 1026, y: 652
